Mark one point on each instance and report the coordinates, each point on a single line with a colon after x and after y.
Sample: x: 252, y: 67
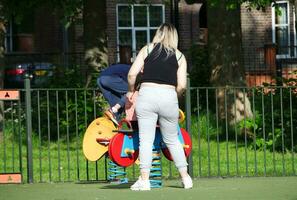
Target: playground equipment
x: 121, y: 144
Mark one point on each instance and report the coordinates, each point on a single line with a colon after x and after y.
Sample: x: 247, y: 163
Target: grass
x: 63, y: 161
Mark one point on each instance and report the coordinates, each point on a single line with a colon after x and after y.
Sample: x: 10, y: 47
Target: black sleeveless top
x: 160, y: 67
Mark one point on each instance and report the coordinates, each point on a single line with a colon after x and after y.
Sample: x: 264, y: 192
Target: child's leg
x: 117, y: 87
x: 103, y: 83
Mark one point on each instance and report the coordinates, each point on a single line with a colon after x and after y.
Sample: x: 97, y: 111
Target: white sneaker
x: 187, y: 182
x: 141, y: 185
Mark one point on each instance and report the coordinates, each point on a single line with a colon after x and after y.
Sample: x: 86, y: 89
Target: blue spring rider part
x: 156, y: 170
x: 117, y: 174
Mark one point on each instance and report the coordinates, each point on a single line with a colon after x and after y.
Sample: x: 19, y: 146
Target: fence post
x: 29, y: 128
x: 188, y: 123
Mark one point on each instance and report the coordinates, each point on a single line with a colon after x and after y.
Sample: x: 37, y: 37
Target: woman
x: 164, y: 71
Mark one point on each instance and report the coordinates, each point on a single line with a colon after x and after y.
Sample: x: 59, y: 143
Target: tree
x: 225, y: 52
x: 94, y: 20
x: 225, y: 56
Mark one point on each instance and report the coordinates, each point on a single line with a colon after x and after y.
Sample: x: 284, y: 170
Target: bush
x: 199, y: 70
x: 274, y: 122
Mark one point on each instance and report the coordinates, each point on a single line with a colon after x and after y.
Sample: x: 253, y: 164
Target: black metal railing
x: 244, y: 131
x: 235, y: 132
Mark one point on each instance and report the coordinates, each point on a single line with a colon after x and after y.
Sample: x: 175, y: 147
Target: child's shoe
x: 110, y: 115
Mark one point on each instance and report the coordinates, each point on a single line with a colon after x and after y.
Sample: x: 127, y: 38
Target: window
x: 136, y: 24
x: 281, y: 28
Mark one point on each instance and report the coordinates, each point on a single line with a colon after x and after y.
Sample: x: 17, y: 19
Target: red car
x: 41, y: 73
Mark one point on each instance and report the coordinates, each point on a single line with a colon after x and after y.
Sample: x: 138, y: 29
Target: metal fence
x: 235, y: 132
x: 261, y: 140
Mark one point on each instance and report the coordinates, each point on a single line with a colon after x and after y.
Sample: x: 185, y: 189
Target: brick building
x: 269, y: 42
x: 135, y: 25
x: 127, y: 24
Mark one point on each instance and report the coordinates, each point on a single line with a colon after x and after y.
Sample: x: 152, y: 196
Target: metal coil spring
x: 156, y: 170
x: 116, y: 174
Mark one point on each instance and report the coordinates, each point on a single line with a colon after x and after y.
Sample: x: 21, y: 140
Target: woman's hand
x: 129, y: 96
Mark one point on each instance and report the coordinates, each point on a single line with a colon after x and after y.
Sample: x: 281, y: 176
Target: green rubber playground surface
x: 215, y: 188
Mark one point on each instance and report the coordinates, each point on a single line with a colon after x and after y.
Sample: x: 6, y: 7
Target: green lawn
x: 57, y: 161
x: 62, y: 162
x: 230, y: 188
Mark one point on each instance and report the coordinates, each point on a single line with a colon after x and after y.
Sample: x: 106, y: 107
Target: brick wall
x: 256, y: 42
x: 111, y: 30
x: 256, y: 33
x: 188, y: 24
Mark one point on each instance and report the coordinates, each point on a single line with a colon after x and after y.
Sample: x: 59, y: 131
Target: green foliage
x: 17, y: 10
x: 258, y: 4
x: 279, y: 119
x: 61, y: 114
x: 200, y: 72
x: 70, y: 77
x: 253, y: 127
x: 272, y: 141
x: 272, y: 127
x: 204, y: 126
x: 274, y: 124
x: 250, y: 124
x: 12, y: 125
x: 233, y: 4
x: 70, y: 10
x: 200, y: 69
x: 64, y: 106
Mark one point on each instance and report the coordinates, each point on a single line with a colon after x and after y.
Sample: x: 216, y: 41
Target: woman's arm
x: 135, y: 69
x: 181, y: 76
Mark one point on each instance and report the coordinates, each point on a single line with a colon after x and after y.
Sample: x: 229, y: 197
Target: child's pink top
x: 130, y: 107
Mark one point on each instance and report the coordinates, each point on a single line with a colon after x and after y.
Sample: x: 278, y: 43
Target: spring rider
x: 121, y: 144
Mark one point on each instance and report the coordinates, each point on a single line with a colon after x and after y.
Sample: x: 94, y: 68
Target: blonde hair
x: 167, y: 36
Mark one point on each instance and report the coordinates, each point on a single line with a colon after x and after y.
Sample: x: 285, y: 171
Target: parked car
x: 41, y: 73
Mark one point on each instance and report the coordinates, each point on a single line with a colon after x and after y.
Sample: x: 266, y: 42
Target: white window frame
x: 133, y: 28
x: 280, y: 25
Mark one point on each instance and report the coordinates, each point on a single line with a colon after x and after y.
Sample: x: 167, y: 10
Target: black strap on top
x: 181, y: 55
x: 161, y: 68
x: 148, y: 48
x: 148, y: 51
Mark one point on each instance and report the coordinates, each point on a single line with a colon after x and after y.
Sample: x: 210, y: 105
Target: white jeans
x: 158, y: 104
